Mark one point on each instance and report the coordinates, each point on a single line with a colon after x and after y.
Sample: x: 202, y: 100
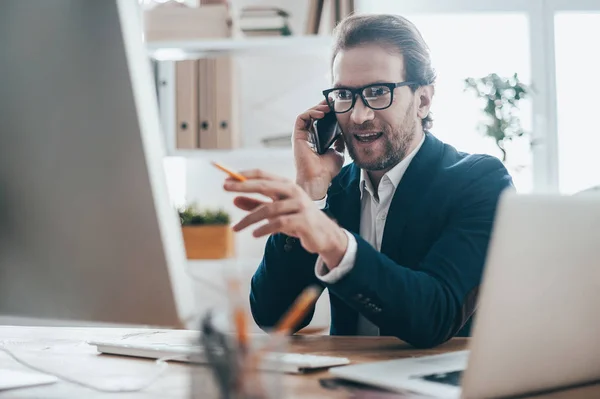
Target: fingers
x: 317, y: 112
x: 268, y: 211
x: 274, y: 189
x: 287, y: 224
x: 261, y: 174
x: 247, y: 203
x: 304, y: 120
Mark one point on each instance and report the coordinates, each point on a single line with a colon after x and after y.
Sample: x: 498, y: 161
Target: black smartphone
x: 325, y: 132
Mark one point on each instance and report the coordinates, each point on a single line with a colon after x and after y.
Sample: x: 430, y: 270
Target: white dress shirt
x: 373, y: 214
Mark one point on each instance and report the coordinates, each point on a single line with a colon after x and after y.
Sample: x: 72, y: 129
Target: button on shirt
x: 373, y: 214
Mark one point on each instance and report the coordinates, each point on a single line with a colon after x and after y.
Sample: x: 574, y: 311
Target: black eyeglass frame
x: 359, y: 91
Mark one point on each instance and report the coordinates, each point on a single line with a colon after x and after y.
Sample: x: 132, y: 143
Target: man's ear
x: 424, y: 97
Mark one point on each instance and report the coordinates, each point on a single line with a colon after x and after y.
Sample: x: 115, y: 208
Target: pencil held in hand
x: 298, y: 310
x: 230, y: 172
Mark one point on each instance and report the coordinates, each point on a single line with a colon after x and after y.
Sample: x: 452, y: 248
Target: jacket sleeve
x: 428, y: 305
x: 285, y: 270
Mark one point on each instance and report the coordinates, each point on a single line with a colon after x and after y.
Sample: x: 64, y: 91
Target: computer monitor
x: 87, y: 231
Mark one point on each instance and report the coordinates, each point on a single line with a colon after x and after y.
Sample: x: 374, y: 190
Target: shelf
x: 241, y: 154
x: 185, y: 50
x: 224, y: 265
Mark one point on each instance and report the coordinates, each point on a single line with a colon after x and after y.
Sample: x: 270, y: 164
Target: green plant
x: 501, y: 96
x: 192, y: 216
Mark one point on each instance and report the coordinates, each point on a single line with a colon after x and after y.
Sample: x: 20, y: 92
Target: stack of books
x: 264, y: 21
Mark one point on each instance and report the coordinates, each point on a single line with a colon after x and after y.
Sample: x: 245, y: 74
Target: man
x: 399, y: 236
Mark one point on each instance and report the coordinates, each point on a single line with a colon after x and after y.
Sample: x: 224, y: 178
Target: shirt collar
x: 394, y: 175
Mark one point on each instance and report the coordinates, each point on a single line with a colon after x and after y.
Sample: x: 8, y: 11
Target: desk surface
x: 65, y: 350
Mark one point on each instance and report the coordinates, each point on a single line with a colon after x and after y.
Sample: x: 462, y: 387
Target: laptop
x: 537, y: 324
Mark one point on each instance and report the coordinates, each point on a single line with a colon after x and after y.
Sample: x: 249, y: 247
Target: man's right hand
x: 314, y: 172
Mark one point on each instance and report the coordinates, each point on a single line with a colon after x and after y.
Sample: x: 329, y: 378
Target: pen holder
x: 251, y: 373
x: 261, y: 372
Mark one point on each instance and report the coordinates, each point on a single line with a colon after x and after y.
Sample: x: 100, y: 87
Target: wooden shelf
x: 237, y: 154
x: 185, y: 50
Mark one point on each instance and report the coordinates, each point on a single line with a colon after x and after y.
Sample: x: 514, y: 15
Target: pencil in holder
x: 224, y: 370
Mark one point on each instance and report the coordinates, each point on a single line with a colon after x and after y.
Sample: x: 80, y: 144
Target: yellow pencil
x: 288, y: 322
x: 230, y: 172
x: 298, y: 310
x: 239, y: 315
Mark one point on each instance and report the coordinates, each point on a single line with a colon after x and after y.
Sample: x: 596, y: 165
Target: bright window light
x: 475, y: 45
x: 577, y: 84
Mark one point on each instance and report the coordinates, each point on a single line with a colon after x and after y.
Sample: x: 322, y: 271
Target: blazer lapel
x: 410, y: 190
x: 347, y: 198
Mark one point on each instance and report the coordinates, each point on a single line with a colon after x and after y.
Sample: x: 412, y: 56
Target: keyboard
x: 292, y: 363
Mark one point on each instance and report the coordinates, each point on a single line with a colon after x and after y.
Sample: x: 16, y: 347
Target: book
x: 257, y: 12
x: 264, y: 21
x: 285, y: 31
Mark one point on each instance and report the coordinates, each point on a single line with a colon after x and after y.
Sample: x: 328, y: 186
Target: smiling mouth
x: 367, y: 137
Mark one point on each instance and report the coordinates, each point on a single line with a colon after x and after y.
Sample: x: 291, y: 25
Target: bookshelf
x: 195, y: 49
x: 165, y: 54
x: 247, y: 155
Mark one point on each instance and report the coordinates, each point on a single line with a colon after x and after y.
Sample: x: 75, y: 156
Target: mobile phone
x: 325, y: 132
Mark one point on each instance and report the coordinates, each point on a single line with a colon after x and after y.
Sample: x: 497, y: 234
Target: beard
x: 392, y: 147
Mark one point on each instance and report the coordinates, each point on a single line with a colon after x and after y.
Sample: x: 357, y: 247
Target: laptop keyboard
x: 449, y: 378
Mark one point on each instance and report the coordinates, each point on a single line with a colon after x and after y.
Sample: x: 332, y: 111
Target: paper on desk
x: 76, y: 360
x: 11, y: 379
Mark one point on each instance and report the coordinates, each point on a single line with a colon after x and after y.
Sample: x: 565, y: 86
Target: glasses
x: 376, y: 96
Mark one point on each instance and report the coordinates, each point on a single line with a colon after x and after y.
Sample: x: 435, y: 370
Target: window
x: 578, y: 101
x: 475, y: 45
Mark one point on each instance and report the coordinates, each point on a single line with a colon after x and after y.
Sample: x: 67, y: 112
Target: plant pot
x: 208, y: 242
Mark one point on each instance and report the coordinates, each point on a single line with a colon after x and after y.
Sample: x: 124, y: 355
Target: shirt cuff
x: 322, y: 203
x: 346, y: 264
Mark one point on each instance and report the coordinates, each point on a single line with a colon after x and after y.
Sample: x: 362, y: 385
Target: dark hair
x: 392, y: 32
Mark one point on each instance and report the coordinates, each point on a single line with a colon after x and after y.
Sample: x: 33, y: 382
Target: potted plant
x: 206, y: 233
x: 501, y: 98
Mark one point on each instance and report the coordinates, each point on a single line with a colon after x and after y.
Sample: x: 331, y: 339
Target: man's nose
x: 361, y: 113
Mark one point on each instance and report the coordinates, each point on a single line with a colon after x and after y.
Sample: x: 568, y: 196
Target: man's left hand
x: 291, y: 212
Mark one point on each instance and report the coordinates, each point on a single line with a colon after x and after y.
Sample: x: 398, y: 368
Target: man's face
x: 376, y: 140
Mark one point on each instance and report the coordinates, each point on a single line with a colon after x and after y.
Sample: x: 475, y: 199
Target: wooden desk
x: 64, y: 349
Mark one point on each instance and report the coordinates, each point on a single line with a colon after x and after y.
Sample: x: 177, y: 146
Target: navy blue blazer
x: 422, y: 287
